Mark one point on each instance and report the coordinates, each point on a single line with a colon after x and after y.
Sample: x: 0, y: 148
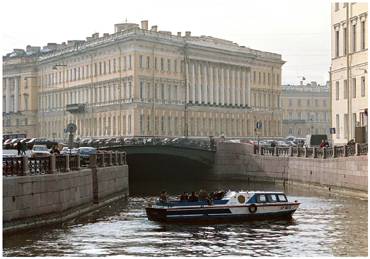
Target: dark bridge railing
x: 314, y: 152
x: 23, y: 165
x: 200, y: 144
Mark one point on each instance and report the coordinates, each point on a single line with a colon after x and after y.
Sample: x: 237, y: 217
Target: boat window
x: 261, y: 198
x: 272, y: 198
x: 282, y: 197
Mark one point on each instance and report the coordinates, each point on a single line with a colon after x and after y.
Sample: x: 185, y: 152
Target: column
x: 243, y: 89
x: 222, y: 86
x: 16, y: 93
x: 217, y: 87
x: 7, y: 95
x: 205, y: 86
x: 187, y: 96
x: 193, y: 83
x: 199, y: 83
x: 237, y: 87
x: 248, y: 87
x: 233, y: 87
x: 211, y: 85
x: 227, y: 87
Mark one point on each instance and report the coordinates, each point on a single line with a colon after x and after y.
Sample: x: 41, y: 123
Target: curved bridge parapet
x: 202, y: 155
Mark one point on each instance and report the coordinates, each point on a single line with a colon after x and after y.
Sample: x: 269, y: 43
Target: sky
x: 299, y: 30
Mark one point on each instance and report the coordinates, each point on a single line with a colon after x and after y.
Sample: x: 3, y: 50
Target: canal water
x: 324, y: 225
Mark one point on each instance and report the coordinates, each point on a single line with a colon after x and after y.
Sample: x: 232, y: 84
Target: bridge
x: 197, y: 150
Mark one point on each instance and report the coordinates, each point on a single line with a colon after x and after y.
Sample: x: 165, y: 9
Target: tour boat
x: 234, y: 205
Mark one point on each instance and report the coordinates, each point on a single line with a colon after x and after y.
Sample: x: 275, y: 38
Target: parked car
x: 67, y: 151
x: 40, y: 151
x: 85, y: 153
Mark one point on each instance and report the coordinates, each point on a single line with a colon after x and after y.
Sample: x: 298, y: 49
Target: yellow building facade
x: 144, y: 82
x: 306, y: 109
x: 349, y: 70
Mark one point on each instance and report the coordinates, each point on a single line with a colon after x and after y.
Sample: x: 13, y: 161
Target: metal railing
x: 315, y: 152
x: 23, y: 165
x: 39, y: 165
x: 13, y: 166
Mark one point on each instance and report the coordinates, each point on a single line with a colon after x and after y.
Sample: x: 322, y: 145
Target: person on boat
x: 163, y: 197
x: 184, y: 197
x: 193, y: 197
x: 322, y: 144
x: 203, y: 195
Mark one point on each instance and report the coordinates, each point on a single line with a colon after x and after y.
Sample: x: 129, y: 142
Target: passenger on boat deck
x: 203, y: 195
x: 193, y: 197
x: 163, y: 196
x: 184, y: 197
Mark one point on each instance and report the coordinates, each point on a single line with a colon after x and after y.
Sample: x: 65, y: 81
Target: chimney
x: 95, y: 35
x: 154, y: 28
x: 144, y: 25
x: 188, y: 33
x: 179, y: 33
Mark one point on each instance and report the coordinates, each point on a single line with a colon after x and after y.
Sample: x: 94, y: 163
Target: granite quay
x: 51, y: 190
x: 337, y: 168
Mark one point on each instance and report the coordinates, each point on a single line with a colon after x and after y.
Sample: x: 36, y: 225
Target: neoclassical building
x: 306, y: 109
x: 20, y: 92
x: 349, y: 70
x: 143, y: 82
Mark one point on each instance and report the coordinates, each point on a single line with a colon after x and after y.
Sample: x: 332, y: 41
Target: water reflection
x: 324, y: 225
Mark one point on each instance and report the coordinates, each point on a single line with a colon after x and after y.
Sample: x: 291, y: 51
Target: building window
x: 148, y: 62
x: 337, y: 90
x: 175, y: 66
x: 168, y: 65
x: 336, y: 6
x: 254, y: 77
x: 162, y: 64
x: 155, y: 63
x: 105, y: 68
x: 290, y: 131
x: 354, y: 38
x: 363, y: 86
x: 114, y: 65
x: 299, y: 102
x: 290, y: 102
x: 346, y: 126
x: 308, y: 103
x: 141, y: 61
x: 290, y: 115
x: 336, y: 43
x: 345, y: 41
x: 25, y: 121
x: 316, y: 103
x: 363, y: 35
x: 129, y: 62
x: 345, y: 89
x: 353, y: 87
x: 141, y: 89
x: 162, y: 91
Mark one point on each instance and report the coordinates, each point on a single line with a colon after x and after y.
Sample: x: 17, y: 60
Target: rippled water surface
x: 324, y: 225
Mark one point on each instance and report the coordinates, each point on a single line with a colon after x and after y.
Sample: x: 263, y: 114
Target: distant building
x: 349, y: 71
x: 306, y: 109
x: 140, y: 81
x: 20, y: 91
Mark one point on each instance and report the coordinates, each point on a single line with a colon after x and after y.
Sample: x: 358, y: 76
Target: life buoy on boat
x: 252, y: 208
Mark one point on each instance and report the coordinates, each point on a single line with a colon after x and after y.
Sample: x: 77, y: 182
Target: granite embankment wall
x: 237, y: 161
x: 36, y: 200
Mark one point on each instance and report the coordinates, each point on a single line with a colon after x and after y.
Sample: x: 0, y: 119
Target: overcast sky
x: 298, y: 30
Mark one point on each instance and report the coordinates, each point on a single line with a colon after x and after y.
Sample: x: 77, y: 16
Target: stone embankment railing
x: 314, y: 152
x: 23, y: 165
